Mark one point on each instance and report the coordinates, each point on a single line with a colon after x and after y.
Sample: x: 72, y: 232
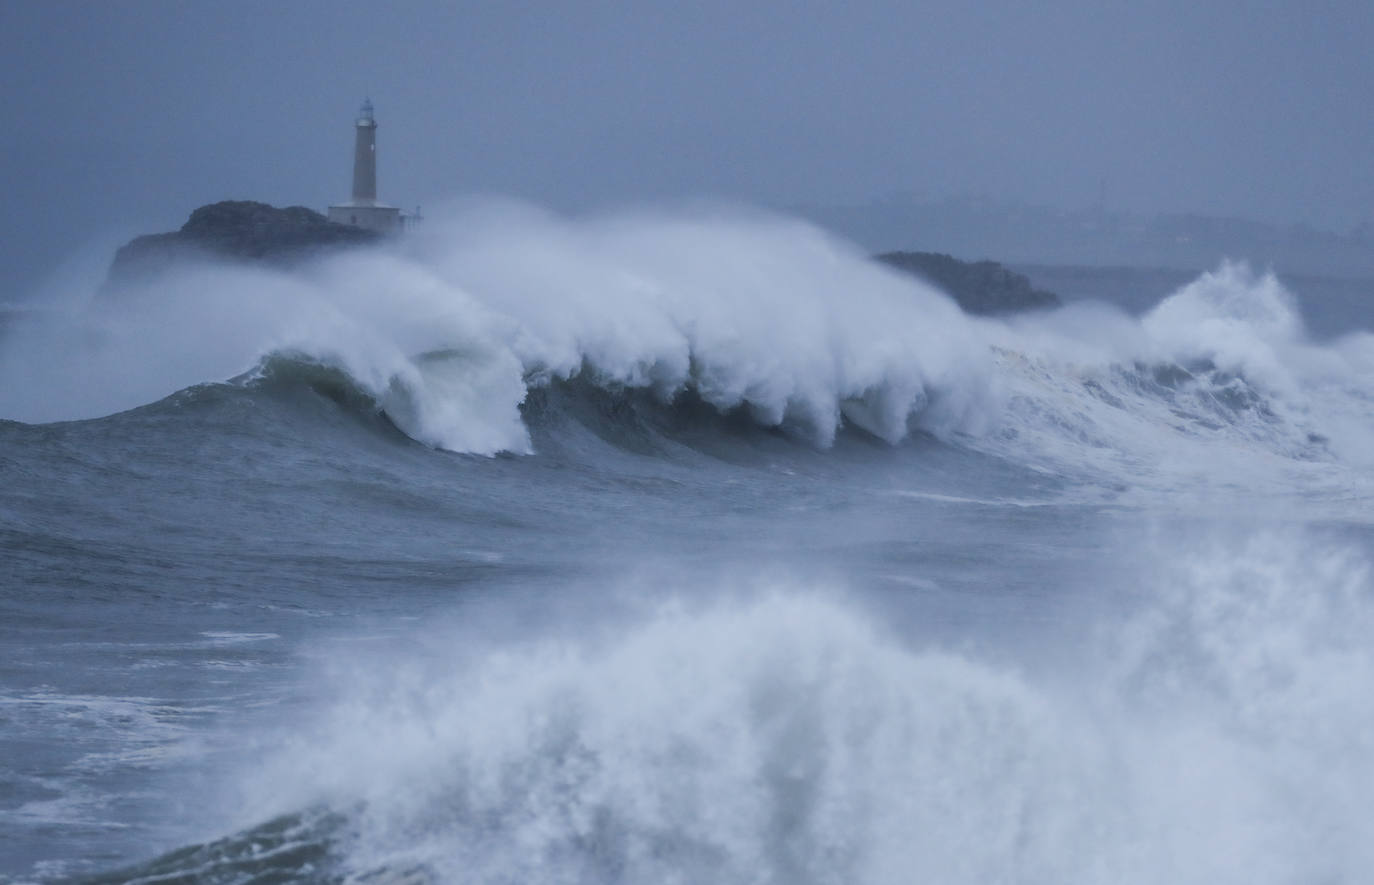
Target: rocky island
x: 238, y: 230
x: 979, y: 287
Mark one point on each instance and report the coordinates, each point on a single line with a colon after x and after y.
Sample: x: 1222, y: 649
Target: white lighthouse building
x: 364, y: 210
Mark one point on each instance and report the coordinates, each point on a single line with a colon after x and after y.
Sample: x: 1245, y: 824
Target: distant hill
x: 238, y: 229
x: 980, y: 287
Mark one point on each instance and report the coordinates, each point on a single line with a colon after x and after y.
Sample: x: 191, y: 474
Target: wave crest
x: 763, y: 314
x: 751, y: 315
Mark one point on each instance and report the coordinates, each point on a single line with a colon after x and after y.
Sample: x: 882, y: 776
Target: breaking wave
x: 749, y: 315
x: 763, y: 314
x: 1216, y: 735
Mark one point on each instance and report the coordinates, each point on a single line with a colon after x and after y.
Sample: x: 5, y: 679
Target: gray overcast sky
x: 124, y: 116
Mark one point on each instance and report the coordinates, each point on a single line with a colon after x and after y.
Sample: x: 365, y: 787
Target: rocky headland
x: 238, y: 230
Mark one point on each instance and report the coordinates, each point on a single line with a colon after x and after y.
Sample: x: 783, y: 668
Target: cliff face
x: 980, y: 287
x: 242, y: 230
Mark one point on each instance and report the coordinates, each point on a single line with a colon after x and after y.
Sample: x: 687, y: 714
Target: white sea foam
x: 1219, y: 735
x: 1217, y: 387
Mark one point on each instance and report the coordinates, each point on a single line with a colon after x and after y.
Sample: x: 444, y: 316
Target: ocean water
x: 676, y: 548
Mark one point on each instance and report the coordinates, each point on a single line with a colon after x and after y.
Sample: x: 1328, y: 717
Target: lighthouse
x: 365, y: 157
x: 363, y: 210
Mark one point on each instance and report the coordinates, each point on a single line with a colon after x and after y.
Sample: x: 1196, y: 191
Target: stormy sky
x: 124, y: 116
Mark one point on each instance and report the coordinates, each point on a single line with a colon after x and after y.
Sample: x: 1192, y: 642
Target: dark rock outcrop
x: 238, y: 230
x: 980, y: 287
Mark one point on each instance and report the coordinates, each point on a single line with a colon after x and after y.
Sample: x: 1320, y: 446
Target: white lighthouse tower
x: 364, y: 210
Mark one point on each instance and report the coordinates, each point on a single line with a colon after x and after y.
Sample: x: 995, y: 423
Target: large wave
x: 760, y: 313
x: 448, y: 332
x: 1217, y: 734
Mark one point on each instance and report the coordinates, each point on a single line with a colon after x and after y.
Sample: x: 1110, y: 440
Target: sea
x: 682, y: 546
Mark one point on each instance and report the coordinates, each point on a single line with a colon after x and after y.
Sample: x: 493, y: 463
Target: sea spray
x: 779, y: 740
x: 1217, y: 386
x: 1216, y: 734
x: 754, y: 312
x: 1240, y: 686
